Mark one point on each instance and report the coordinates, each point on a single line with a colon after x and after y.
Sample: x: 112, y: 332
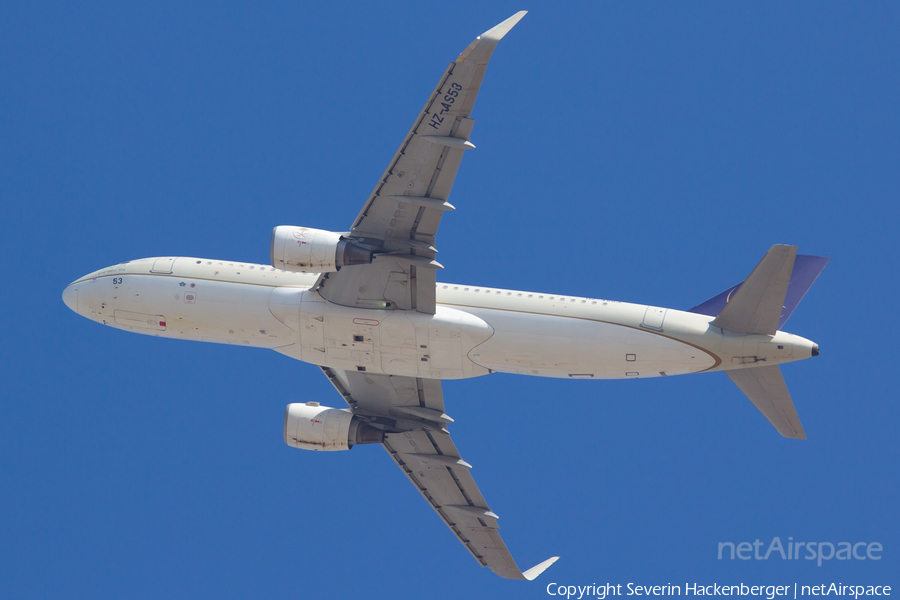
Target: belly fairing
x: 406, y: 343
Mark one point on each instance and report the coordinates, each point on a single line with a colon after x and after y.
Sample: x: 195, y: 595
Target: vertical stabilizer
x: 806, y: 270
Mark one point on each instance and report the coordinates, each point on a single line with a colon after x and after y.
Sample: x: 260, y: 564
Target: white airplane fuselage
x: 474, y: 331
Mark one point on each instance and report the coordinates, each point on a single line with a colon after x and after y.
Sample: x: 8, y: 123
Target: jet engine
x: 313, y: 427
x: 314, y: 250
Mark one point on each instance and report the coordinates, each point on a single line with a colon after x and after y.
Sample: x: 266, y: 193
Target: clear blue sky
x: 645, y: 152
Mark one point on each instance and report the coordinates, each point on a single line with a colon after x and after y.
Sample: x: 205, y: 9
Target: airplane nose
x: 70, y: 297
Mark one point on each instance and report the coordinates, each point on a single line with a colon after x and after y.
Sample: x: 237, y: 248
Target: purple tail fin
x: 806, y: 270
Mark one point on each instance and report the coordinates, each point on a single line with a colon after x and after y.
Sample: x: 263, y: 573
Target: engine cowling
x: 313, y: 427
x: 314, y: 250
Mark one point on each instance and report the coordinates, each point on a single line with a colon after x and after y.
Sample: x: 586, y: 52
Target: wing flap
x: 376, y: 395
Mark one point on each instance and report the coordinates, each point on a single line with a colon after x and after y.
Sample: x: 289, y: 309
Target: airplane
x: 365, y: 307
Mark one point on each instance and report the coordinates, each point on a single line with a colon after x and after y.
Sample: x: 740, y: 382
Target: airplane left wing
x: 411, y: 411
x: 401, y: 216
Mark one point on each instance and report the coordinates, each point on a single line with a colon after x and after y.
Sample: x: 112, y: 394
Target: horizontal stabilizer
x: 766, y: 389
x: 756, y: 306
x: 806, y: 270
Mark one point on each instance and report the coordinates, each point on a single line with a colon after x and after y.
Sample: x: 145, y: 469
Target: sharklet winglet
x: 536, y: 570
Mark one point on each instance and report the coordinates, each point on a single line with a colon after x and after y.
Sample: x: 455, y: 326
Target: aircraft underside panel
x: 404, y: 343
x: 552, y: 346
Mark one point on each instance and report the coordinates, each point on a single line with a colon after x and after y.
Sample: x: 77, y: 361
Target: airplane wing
x: 401, y: 216
x: 411, y: 411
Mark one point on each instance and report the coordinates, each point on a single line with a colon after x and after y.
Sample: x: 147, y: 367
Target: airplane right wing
x: 411, y: 412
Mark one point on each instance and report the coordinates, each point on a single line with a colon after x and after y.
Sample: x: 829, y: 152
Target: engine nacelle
x: 314, y: 250
x: 313, y: 427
